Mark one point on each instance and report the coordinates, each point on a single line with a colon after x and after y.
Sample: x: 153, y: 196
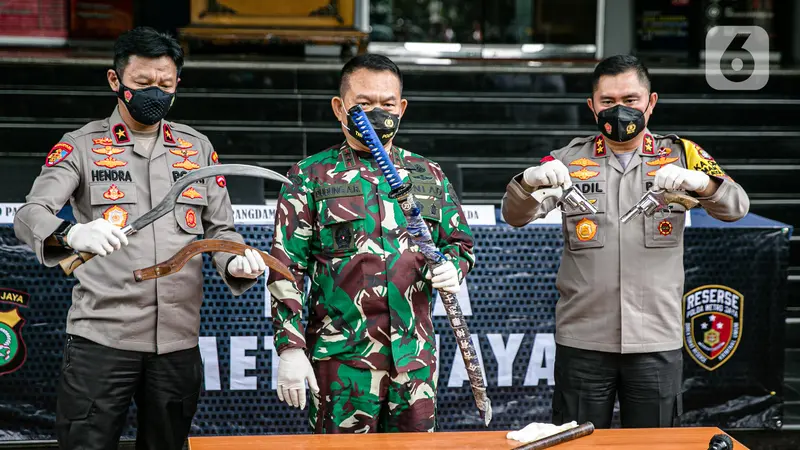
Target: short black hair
x: 369, y: 61
x: 146, y: 42
x: 619, y: 64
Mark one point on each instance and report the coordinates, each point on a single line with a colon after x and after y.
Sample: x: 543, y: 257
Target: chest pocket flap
x: 189, y: 209
x: 341, y: 211
x: 431, y: 199
x: 112, y: 194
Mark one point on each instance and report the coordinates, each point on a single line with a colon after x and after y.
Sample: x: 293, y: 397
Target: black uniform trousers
x: 588, y: 382
x: 97, y: 385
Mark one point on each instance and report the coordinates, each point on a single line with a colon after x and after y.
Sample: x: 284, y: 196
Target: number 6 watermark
x: 737, y: 58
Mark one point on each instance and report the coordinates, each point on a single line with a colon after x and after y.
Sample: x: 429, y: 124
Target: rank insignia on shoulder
x: 586, y: 229
x: 58, y: 153
x: 116, y: 215
x: 168, y: 138
x: 121, y: 134
x: 113, y: 193
x: 191, y: 193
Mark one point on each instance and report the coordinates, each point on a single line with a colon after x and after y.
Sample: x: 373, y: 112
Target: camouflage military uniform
x: 370, y: 335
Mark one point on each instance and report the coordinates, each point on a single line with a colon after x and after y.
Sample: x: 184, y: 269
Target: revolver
x: 570, y: 196
x: 658, y: 200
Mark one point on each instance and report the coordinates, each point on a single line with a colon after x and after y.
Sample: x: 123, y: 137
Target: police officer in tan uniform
x: 129, y: 340
x: 618, y: 321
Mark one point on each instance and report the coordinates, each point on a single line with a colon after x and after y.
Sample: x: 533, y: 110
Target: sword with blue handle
x: 421, y: 236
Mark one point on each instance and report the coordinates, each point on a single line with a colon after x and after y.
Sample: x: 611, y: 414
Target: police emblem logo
x: 58, y: 153
x: 116, y: 215
x: 586, y: 229
x: 388, y: 123
x: 631, y: 128
x: 665, y: 227
x: 128, y: 96
x: 713, y: 318
x: 191, y: 218
x: 113, y: 193
x: 704, y: 154
x: 13, y: 351
x: 608, y: 127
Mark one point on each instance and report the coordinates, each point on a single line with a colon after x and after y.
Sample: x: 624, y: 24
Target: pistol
x: 658, y: 200
x: 570, y: 196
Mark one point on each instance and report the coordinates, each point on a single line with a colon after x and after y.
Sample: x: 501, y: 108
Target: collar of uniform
x: 119, y: 131
x: 122, y: 136
x: 350, y: 158
x: 647, y: 148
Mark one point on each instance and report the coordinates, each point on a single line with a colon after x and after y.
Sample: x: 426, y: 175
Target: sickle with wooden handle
x: 167, y: 204
x: 176, y: 263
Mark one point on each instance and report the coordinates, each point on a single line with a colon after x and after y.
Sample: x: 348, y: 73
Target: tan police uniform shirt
x: 104, y: 173
x: 621, y: 285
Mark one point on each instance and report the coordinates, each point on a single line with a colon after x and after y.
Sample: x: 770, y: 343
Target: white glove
x: 672, y: 177
x: 536, y: 431
x: 98, y: 237
x: 552, y: 173
x: 445, y: 277
x: 251, y: 265
x: 293, y: 371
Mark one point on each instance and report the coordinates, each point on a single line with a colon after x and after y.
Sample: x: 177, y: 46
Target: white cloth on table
x: 536, y: 431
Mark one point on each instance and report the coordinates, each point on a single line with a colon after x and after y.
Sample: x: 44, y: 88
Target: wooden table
x: 650, y: 439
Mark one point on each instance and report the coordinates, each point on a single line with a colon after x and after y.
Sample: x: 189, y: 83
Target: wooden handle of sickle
x: 72, y: 262
x: 559, y: 438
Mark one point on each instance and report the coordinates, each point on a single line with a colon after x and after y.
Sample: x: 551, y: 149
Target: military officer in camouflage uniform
x: 126, y: 339
x: 369, y: 335
x: 619, y: 321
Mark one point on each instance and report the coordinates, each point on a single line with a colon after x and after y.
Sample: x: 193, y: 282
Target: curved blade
x: 168, y: 203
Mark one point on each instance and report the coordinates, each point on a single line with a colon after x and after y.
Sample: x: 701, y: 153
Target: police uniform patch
x: 343, y: 236
x: 214, y: 157
x: 108, y: 150
x: 713, y: 319
x: 184, y: 153
x: 58, y: 153
x: 584, y: 162
x: 599, y: 146
x: 13, y: 351
x: 113, y: 193
x: 191, y: 193
x: 104, y: 141
x: 186, y: 165
x: 109, y: 162
x: 584, y: 174
x: 184, y: 144
x: 586, y: 229
x: 116, y: 215
x: 665, y: 227
x: 221, y: 181
x: 698, y: 159
x: 191, y: 218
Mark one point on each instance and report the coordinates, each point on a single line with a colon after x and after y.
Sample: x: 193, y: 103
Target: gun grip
x: 70, y: 263
x: 684, y: 200
x: 542, y: 193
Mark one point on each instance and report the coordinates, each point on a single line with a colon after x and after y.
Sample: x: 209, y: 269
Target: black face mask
x: 385, y: 124
x: 147, y: 106
x: 621, y: 123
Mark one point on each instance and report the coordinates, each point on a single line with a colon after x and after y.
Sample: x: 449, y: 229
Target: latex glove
x: 672, y: 177
x: 552, y: 173
x: 251, y: 265
x: 98, y: 236
x: 293, y: 371
x: 445, y: 277
x: 536, y: 431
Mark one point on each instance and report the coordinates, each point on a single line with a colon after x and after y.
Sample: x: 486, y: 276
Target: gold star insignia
x: 168, y: 134
x: 120, y: 133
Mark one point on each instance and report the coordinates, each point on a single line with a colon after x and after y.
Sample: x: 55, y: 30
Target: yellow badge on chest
x: 586, y: 229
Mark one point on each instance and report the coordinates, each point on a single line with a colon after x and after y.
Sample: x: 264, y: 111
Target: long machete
x: 421, y: 236
x: 167, y: 204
